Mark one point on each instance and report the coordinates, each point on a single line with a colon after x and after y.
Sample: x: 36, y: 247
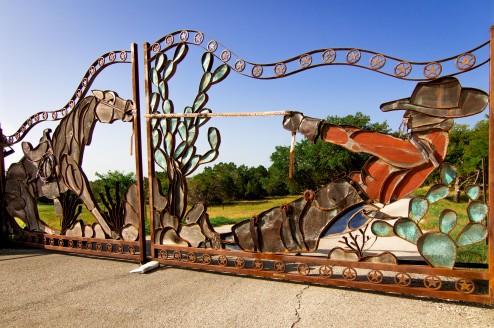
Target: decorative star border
x: 371, y: 60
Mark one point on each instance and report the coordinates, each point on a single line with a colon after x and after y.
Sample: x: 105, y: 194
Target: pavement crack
x: 297, y: 314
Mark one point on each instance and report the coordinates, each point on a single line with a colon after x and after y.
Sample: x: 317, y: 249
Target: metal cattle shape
x: 282, y: 242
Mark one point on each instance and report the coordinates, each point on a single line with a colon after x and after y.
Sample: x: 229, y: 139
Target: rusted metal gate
x: 282, y: 243
x: 53, y: 169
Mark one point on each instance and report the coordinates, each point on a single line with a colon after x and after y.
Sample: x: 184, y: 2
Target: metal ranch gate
x: 293, y: 242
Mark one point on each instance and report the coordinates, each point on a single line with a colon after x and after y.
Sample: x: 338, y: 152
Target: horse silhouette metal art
x: 53, y: 167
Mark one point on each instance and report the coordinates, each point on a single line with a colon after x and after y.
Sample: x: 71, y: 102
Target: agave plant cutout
x: 174, y: 139
x: 438, y: 248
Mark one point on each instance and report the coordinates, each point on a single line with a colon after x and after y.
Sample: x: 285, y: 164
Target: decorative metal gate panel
x: 53, y: 169
x: 283, y: 243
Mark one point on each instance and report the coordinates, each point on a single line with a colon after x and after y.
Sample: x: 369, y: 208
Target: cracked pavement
x: 45, y: 289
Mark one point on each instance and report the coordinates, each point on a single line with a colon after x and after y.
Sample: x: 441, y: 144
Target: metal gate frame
x: 411, y: 279
x: 385, y: 277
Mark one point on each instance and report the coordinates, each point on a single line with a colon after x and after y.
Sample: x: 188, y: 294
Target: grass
x: 229, y: 213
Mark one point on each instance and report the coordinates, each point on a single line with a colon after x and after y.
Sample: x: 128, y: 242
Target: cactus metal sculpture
x: 174, y: 139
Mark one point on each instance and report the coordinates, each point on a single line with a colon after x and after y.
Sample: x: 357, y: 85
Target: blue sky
x: 47, y: 46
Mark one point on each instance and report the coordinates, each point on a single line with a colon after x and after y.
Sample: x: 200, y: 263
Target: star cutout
x: 325, y: 270
x: 466, y: 286
x: 432, y: 282
x: 349, y: 274
x: 376, y: 62
x: 403, y: 279
x: 239, y: 262
x: 223, y: 260
x: 466, y: 61
x: 303, y: 269
x: 432, y: 70
x: 375, y: 276
x: 258, y: 264
x: 279, y: 266
x: 353, y: 57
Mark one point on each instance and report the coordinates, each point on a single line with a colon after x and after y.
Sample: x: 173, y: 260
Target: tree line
x: 316, y: 165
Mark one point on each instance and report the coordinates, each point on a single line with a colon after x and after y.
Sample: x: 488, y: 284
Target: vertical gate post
x: 490, y: 222
x: 3, y: 218
x: 138, y: 154
x: 147, y: 88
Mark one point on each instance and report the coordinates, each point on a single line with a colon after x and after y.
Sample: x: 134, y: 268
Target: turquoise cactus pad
x: 407, y: 229
x: 437, y: 192
x: 472, y: 191
x: 438, y: 249
x: 477, y: 211
x: 447, y: 221
x: 448, y: 173
x: 471, y: 234
x: 382, y: 229
x: 417, y: 208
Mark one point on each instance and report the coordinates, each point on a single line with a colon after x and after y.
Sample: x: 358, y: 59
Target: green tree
x: 467, y: 147
x: 319, y: 163
x: 110, y: 180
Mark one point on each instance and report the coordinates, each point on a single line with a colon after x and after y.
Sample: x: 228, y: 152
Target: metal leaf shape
x: 382, y: 229
x: 156, y: 136
x: 182, y: 130
x: 417, y: 208
x: 220, y: 73
x: 188, y: 121
x: 180, y: 149
x: 155, y: 100
x: 214, y: 138
x: 180, y: 52
x: 207, y: 61
x: 472, y: 191
x: 471, y: 234
x: 202, y: 120
x: 192, y: 135
x: 168, y: 143
x: 163, y: 88
x: 438, y: 249
x: 192, y: 165
x: 199, y: 102
x: 448, y: 173
x: 153, y: 75
x: 447, y: 221
x: 169, y: 70
x: 476, y: 211
x: 437, y: 192
x: 408, y: 230
x: 160, y: 61
x: 205, y: 82
x: 164, y: 125
x: 167, y: 106
x: 172, y: 123
x: 189, y: 152
x: 160, y: 159
x: 209, y: 156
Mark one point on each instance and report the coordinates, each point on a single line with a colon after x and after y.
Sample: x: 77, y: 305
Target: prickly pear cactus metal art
x: 439, y: 247
x: 173, y: 143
